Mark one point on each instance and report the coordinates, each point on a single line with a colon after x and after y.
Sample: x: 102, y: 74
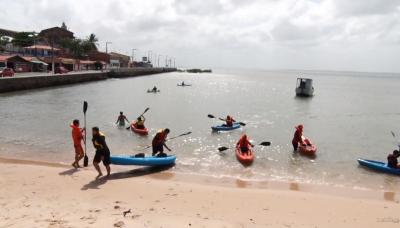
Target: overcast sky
x: 360, y: 35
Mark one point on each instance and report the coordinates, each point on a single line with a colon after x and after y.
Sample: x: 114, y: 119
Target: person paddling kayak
x: 244, y: 144
x: 229, y: 121
x: 158, y: 143
x: 154, y: 89
x: 139, y: 123
x: 392, y: 159
x: 298, y: 137
x: 102, y: 151
x: 121, y: 119
x: 77, y: 137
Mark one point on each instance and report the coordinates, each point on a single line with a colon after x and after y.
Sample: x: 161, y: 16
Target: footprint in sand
x: 119, y: 224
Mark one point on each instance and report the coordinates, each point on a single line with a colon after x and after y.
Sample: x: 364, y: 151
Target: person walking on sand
x: 298, y: 137
x: 77, y: 138
x: 121, y: 119
x: 158, y: 143
x: 102, y: 151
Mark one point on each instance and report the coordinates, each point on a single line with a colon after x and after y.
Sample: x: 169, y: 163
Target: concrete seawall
x: 41, y: 81
x: 134, y: 72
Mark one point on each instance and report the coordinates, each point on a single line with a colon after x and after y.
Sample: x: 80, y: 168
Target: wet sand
x: 57, y: 196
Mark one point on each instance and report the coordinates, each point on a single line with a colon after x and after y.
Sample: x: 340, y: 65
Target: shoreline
x: 168, y: 173
x: 42, y: 196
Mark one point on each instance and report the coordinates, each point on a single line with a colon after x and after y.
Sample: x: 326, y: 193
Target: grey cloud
x: 366, y: 7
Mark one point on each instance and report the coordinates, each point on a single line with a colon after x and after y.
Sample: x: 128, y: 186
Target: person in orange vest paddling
x: 244, y: 144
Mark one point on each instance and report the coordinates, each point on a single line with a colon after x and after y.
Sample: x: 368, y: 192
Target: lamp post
x: 158, y: 60
x: 107, y: 42
x: 133, y: 56
x: 166, y: 60
x: 149, y: 55
x: 34, y: 36
x: 174, y: 63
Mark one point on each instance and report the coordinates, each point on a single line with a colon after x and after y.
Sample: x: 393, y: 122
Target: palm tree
x: 92, y: 39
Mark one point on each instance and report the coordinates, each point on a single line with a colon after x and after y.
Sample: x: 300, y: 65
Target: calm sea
x: 350, y: 116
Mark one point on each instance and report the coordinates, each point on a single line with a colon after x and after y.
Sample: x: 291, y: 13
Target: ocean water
x: 350, y: 116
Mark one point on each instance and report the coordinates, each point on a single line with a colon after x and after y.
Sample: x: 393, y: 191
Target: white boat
x: 304, y: 87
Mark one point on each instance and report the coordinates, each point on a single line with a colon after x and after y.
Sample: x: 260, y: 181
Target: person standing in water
x: 102, y: 151
x: 298, y: 137
x: 121, y: 119
x: 77, y: 138
x: 158, y: 143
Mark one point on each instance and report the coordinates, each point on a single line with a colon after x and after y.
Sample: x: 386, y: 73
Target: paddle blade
x: 210, y: 116
x: 223, y: 148
x: 394, y: 135
x: 128, y: 128
x: 147, y: 109
x: 85, y: 106
x: 86, y: 161
x: 242, y: 124
x: 265, y: 144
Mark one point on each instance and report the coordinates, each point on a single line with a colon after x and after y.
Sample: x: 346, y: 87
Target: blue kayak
x: 146, y: 161
x: 378, y: 166
x: 225, y: 128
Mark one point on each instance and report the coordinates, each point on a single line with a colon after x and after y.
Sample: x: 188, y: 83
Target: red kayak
x: 308, y: 148
x: 246, y: 159
x: 144, y: 131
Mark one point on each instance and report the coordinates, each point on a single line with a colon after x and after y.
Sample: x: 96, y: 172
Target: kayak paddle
x: 147, y: 109
x: 184, y: 134
x: 212, y: 116
x: 223, y: 148
x: 86, y: 159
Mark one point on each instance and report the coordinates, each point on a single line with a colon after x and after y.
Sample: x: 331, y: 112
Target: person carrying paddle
x: 139, y: 123
x: 77, y: 137
x: 102, y: 151
x: 158, y: 143
x: 298, y: 137
x: 392, y: 159
x: 121, y: 119
x: 244, y: 144
x: 229, y: 121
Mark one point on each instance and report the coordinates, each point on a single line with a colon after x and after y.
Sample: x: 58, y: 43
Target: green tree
x: 4, y: 40
x: 23, y: 39
x: 92, y: 40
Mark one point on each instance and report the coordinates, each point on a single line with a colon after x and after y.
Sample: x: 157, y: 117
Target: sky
x: 350, y: 35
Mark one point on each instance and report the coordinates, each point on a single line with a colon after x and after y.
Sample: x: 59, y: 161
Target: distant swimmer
x: 121, y: 119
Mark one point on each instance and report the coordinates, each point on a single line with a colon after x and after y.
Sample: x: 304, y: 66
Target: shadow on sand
x: 68, y: 172
x: 95, y: 184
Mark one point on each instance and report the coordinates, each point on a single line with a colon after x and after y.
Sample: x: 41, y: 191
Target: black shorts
x: 295, y: 146
x: 102, y: 155
x: 158, y: 148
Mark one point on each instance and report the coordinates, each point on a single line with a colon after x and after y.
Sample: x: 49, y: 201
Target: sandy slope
x: 42, y: 196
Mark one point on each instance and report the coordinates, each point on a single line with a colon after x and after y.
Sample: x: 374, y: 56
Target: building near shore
x: 118, y: 60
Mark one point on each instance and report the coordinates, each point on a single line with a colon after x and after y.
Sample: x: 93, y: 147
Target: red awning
x: 4, y: 58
